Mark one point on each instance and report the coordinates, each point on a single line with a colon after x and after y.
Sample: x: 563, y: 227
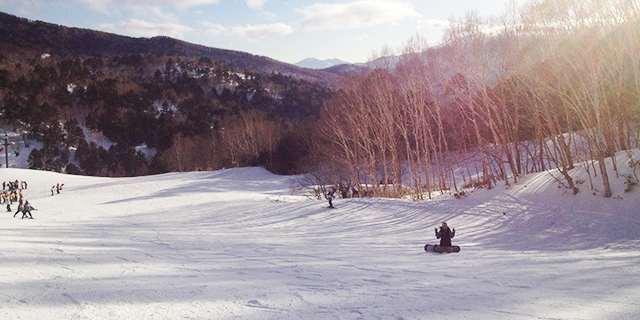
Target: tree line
x: 542, y: 87
x: 193, y: 113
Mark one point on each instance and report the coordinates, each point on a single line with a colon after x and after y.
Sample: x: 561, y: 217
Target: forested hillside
x: 24, y: 36
x: 61, y: 85
x: 546, y: 87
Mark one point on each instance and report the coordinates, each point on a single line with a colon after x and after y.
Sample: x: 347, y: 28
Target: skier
x: 20, y: 208
x: 58, y: 188
x: 445, y: 235
x: 27, y: 210
x: 52, y: 189
x: 330, y: 197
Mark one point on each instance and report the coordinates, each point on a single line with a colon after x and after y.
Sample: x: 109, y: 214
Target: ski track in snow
x: 234, y: 244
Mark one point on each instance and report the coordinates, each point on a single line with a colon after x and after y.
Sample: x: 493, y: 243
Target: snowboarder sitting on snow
x: 445, y: 235
x: 26, y: 210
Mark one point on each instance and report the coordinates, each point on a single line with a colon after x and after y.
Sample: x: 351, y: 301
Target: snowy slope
x: 235, y: 244
x: 313, y: 63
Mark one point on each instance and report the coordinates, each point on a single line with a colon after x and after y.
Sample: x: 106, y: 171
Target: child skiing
x: 27, y: 210
x: 20, y: 208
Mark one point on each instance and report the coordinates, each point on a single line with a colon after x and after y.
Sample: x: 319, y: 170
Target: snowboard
x: 435, y: 248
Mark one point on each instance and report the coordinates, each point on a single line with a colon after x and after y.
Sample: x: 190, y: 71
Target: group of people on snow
x: 25, y: 208
x: 57, y: 187
x: 13, y: 185
x: 12, y: 192
x: 9, y: 196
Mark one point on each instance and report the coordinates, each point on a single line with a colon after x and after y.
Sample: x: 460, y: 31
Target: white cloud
x: 255, y: 32
x: 248, y: 32
x: 256, y: 4
x: 269, y: 15
x: 214, y: 29
x: 98, y: 5
x: 152, y: 13
x: 141, y: 28
x: 356, y: 14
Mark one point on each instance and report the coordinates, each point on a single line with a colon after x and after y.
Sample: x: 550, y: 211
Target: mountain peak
x: 313, y: 63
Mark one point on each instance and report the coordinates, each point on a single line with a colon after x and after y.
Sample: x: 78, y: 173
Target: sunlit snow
x: 237, y: 244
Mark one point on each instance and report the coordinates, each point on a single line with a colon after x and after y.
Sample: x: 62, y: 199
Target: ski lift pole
x: 6, y: 151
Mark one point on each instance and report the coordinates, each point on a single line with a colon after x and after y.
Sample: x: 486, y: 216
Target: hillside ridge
x: 42, y: 37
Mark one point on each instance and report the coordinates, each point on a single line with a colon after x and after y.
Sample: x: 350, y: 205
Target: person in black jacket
x: 330, y: 197
x: 445, y: 235
x: 20, y: 207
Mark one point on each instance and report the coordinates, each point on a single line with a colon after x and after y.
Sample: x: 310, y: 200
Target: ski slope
x: 236, y: 244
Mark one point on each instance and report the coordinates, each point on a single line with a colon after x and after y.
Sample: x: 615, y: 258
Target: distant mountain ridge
x: 346, y: 69
x: 313, y: 63
x: 22, y: 34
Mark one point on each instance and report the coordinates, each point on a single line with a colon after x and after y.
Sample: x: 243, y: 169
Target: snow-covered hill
x: 313, y: 63
x: 237, y: 244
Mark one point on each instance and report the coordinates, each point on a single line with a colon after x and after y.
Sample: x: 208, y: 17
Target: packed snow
x: 244, y: 244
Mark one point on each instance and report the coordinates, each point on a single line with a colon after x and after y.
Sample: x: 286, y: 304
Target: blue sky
x: 288, y: 31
